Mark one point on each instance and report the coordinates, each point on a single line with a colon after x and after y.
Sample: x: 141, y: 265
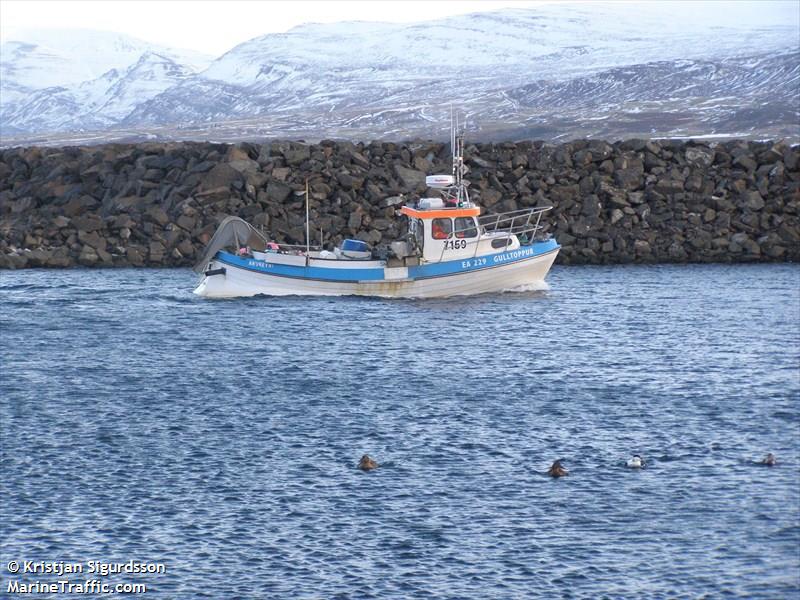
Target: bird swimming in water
x: 367, y: 464
x: 635, y: 462
x: 557, y: 470
x: 769, y: 460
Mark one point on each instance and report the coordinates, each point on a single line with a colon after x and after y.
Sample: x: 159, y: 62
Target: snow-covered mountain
x: 82, y: 79
x: 97, y: 103
x: 558, y: 69
x: 57, y: 57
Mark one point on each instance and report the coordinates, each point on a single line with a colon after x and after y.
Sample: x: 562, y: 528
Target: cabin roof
x: 441, y: 213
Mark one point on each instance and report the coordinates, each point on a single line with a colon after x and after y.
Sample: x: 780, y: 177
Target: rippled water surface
x: 220, y: 438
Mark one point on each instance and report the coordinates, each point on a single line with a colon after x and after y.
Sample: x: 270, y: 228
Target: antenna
x: 453, y: 139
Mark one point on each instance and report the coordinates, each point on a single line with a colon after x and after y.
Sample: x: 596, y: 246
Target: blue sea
x: 220, y: 438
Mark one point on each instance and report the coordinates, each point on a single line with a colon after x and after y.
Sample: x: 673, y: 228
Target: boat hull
x: 495, y: 273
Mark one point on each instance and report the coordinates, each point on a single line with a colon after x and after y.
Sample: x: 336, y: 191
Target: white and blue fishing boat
x: 450, y: 250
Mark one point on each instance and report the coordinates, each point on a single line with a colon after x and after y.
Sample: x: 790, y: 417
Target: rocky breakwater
x: 157, y: 204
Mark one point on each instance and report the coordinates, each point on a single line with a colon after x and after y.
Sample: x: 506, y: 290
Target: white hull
x: 238, y: 282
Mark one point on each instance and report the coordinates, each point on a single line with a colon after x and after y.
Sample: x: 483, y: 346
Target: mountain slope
x: 81, y: 79
x: 97, y: 103
x: 60, y: 57
x: 335, y: 67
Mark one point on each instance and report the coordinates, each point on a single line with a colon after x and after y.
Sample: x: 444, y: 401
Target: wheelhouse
x: 442, y: 234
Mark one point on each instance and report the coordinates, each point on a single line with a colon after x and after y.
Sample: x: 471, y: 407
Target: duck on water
x: 367, y: 463
x: 451, y: 249
x: 635, y: 462
x: 557, y: 469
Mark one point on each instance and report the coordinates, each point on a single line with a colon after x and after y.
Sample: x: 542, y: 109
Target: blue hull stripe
x: 319, y: 273
x: 442, y: 269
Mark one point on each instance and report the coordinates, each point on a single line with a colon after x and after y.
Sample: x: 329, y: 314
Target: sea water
x: 219, y: 439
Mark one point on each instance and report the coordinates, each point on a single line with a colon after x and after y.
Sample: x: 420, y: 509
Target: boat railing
x: 517, y: 222
x: 290, y: 248
x: 295, y: 247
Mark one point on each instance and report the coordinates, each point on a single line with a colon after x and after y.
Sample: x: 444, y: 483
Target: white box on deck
x: 431, y: 203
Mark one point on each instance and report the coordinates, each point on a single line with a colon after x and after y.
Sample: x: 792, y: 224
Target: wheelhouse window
x: 441, y: 229
x: 465, y: 227
x: 501, y: 242
x: 418, y: 231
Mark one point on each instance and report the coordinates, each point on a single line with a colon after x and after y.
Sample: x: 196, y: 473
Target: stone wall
x: 157, y: 204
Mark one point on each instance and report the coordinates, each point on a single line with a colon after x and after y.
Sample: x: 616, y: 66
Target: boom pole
x: 308, y: 234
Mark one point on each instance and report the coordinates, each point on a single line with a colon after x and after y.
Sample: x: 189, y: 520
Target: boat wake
x: 536, y: 286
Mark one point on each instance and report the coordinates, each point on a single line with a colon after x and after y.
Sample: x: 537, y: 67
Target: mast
x: 457, y: 144
x: 308, y: 234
